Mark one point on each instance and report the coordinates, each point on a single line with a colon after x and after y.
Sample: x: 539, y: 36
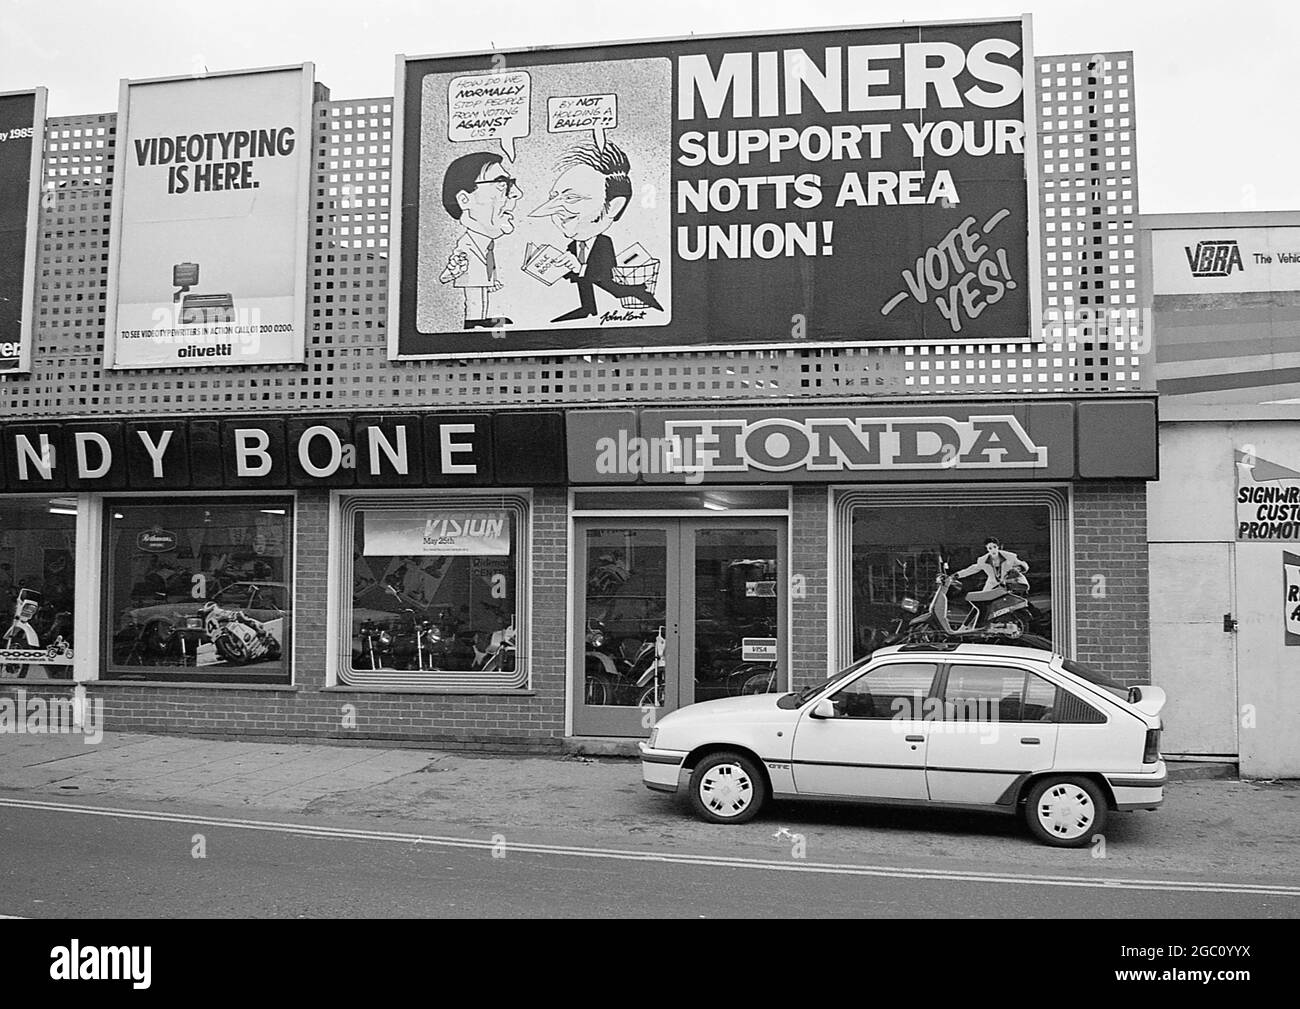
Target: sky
x: 1218, y: 129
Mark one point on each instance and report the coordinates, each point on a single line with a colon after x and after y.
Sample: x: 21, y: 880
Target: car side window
x: 1040, y: 700
x: 996, y: 694
x: 894, y: 690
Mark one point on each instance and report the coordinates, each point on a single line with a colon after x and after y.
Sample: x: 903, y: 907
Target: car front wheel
x: 1065, y: 811
x: 727, y: 788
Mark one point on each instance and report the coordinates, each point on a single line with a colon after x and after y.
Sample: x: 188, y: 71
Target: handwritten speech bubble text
x: 571, y: 114
x: 489, y: 107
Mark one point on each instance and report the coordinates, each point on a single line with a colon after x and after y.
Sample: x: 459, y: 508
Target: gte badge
x: 199, y: 308
x: 1214, y: 259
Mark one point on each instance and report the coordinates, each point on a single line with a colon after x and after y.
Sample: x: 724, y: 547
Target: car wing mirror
x: 823, y: 709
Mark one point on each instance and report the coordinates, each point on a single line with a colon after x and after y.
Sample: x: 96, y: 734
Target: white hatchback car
x: 991, y: 727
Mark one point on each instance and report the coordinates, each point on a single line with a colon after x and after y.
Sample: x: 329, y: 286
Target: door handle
x: 915, y: 739
x: 1029, y: 740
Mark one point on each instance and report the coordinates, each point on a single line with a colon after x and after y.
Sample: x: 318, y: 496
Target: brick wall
x: 1111, y: 576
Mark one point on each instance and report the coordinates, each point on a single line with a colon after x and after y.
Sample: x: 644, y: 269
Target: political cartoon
x: 544, y: 199
x: 844, y: 187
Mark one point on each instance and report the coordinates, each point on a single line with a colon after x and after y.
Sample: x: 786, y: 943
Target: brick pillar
x: 1111, y: 581
x: 808, y: 615
x: 310, y: 630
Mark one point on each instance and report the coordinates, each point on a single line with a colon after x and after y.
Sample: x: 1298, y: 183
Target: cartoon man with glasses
x: 477, y: 191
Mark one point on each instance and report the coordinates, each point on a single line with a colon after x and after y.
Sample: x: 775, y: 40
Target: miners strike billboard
x: 843, y: 187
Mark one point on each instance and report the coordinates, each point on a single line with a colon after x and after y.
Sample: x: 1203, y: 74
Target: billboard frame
x: 1029, y: 96
x: 35, y: 190
x: 302, y: 237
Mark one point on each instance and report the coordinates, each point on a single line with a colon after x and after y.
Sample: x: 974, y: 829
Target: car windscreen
x: 807, y: 692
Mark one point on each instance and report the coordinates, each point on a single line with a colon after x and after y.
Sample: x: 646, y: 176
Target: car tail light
x: 1151, y: 754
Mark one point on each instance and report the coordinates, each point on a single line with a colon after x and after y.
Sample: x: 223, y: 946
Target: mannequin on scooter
x: 1001, y: 569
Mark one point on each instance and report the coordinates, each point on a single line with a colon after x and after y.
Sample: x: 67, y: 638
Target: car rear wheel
x: 1065, y: 811
x: 727, y: 788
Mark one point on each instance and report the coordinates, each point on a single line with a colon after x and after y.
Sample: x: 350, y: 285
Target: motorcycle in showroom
x: 630, y: 671
x: 995, y: 616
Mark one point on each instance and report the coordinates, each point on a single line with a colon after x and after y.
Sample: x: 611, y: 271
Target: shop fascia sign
x: 853, y: 443
x: 517, y: 449
x: 834, y: 444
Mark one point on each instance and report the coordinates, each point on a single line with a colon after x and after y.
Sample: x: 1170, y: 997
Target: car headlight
x: 654, y: 737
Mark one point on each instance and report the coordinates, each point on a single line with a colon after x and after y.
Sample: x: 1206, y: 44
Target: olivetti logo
x: 1214, y: 259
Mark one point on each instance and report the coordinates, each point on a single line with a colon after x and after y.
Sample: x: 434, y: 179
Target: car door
x: 874, y: 745
x: 997, y: 724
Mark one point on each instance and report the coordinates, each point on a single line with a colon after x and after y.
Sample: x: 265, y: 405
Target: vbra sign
x: 1214, y: 259
x: 839, y: 444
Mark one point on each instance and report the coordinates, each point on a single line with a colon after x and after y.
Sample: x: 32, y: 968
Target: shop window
x: 896, y: 544
x: 38, y: 560
x: 434, y: 598
x: 199, y: 590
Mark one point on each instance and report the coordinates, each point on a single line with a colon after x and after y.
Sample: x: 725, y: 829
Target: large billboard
x: 22, y: 135
x: 826, y: 188
x: 1225, y: 306
x: 209, y: 243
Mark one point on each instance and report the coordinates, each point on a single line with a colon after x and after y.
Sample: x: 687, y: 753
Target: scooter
x: 998, y: 613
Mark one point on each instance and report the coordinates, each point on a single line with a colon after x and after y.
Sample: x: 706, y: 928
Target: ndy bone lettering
x: 783, y: 444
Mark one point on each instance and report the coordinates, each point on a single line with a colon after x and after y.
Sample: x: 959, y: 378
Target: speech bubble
x: 489, y: 107
x: 574, y: 113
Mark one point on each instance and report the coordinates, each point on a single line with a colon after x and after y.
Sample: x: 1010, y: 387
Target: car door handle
x: 1029, y: 740
x: 915, y: 739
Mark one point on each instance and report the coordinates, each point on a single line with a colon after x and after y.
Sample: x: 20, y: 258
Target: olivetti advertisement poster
x: 208, y: 252
x: 827, y: 188
x: 22, y: 126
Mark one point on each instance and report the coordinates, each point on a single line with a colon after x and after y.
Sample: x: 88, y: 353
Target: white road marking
x: 717, y: 861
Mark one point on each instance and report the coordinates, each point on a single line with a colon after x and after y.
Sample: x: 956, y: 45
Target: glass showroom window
x: 434, y: 598
x: 897, y: 553
x: 38, y: 557
x: 199, y: 590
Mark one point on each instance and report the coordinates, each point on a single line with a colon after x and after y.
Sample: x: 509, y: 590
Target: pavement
x: 1243, y: 828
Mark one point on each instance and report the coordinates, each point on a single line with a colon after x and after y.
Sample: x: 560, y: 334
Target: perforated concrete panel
x: 346, y: 365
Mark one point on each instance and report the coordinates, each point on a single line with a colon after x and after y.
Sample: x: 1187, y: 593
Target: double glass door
x: 674, y: 611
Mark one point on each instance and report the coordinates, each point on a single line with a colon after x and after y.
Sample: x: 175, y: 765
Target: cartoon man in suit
x: 590, y: 194
x: 477, y: 191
